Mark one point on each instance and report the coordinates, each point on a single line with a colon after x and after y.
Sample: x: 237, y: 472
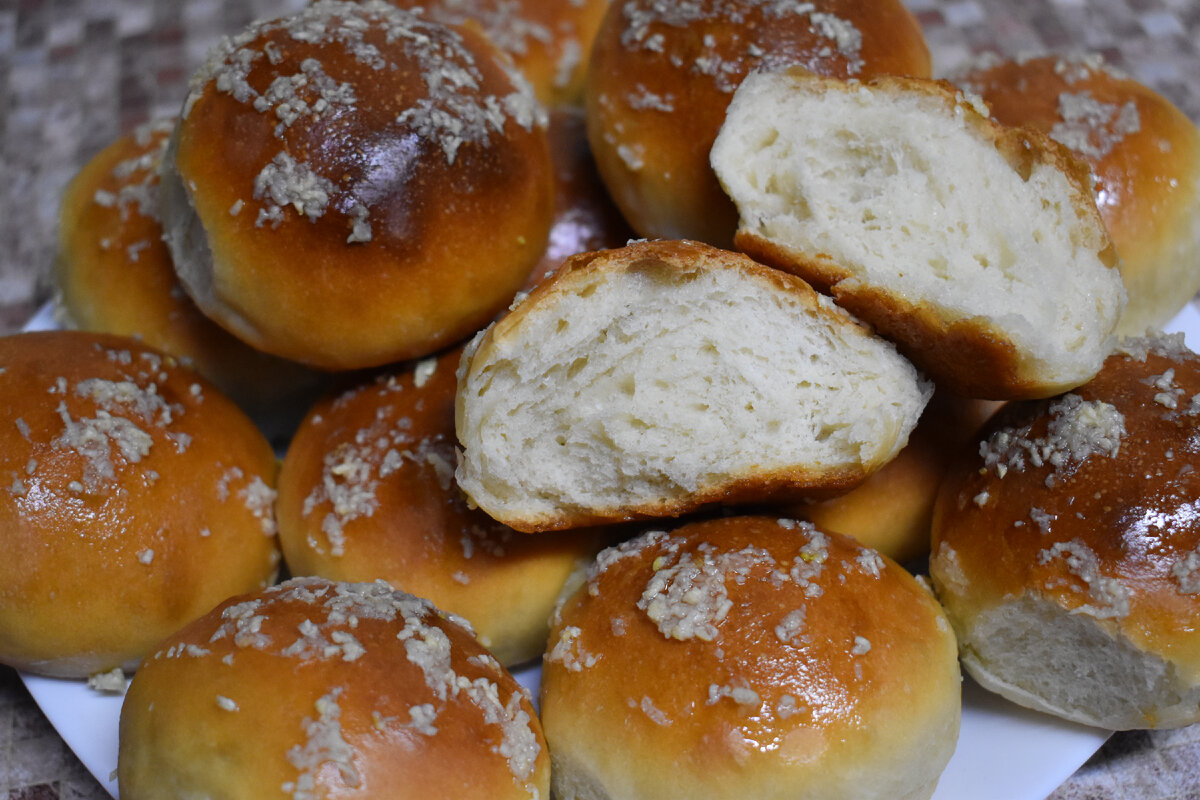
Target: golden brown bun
x: 367, y: 492
x: 1065, y: 546
x: 892, y: 510
x: 661, y: 377
x: 135, y: 497
x: 324, y: 689
x: 115, y: 275
x: 976, y: 247
x: 1145, y: 158
x: 585, y: 218
x: 662, y: 74
x: 390, y: 208
x: 749, y: 657
x: 549, y: 42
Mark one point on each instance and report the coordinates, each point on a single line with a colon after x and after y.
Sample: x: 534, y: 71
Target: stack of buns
x: 361, y: 188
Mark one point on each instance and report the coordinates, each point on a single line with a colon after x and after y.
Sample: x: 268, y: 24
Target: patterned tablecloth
x: 76, y: 73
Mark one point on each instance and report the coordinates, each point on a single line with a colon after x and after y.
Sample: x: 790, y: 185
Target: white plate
x: 1004, y: 752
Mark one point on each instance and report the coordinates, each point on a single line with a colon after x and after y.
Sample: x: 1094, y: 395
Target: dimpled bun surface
x: 549, y: 42
x: 977, y: 248
x: 114, y: 274
x: 367, y: 492
x: 135, y: 497
x: 1144, y: 154
x: 662, y: 74
x: 749, y: 658
x: 1066, y: 546
x: 355, y: 185
x: 653, y: 379
x: 315, y: 688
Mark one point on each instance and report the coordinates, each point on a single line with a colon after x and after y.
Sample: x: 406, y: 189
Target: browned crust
x: 99, y: 568
x: 177, y: 738
x: 1134, y: 511
x: 604, y: 684
x: 452, y: 239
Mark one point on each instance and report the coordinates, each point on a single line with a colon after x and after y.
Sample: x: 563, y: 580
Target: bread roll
x: 977, y: 248
x: 136, y: 497
x: 114, y: 274
x: 367, y: 492
x: 549, y: 42
x: 585, y: 218
x: 355, y: 185
x: 749, y: 657
x: 653, y: 379
x: 1065, y: 546
x: 1144, y: 154
x: 321, y: 689
x: 891, y: 511
x: 662, y: 74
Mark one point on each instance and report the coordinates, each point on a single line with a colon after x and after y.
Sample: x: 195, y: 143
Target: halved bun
x: 656, y: 378
x: 977, y: 248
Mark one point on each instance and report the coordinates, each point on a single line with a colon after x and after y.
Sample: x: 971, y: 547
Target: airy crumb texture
x: 655, y: 378
x: 977, y: 248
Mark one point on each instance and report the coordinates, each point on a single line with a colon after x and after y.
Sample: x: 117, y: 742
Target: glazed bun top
x: 549, y: 42
x: 135, y: 497
x: 355, y: 184
x: 115, y: 275
x: 326, y: 689
x: 663, y: 72
x: 756, y: 654
x: 1144, y: 154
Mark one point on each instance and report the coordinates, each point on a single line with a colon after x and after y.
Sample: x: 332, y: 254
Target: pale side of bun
x: 662, y: 74
x: 367, y: 492
x: 1144, y: 154
x: 892, y: 510
x: 1066, y: 546
x: 354, y: 185
x: 653, y: 379
x: 749, y: 657
x: 135, y: 497
x: 315, y: 688
x: 114, y: 274
x: 977, y: 248
x: 549, y: 42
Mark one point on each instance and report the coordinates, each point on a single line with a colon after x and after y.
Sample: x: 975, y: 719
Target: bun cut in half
x: 1066, y: 546
x: 977, y: 248
x: 655, y: 378
x: 749, y: 657
x: 320, y: 689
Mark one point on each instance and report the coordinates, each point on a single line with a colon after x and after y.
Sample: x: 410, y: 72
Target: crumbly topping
x: 861, y: 647
x: 687, y: 599
x: 1110, y: 598
x: 791, y: 626
x: 285, y: 182
x: 742, y: 695
x: 1167, y: 345
x: 1186, y: 572
x: 656, y: 714
x: 1077, y: 430
x: 350, y: 476
x: 569, y: 652
x: 112, y: 682
x: 1091, y: 128
x: 94, y: 438
x: 323, y: 744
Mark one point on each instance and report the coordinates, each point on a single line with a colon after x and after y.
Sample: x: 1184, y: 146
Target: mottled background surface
x: 74, y: 74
